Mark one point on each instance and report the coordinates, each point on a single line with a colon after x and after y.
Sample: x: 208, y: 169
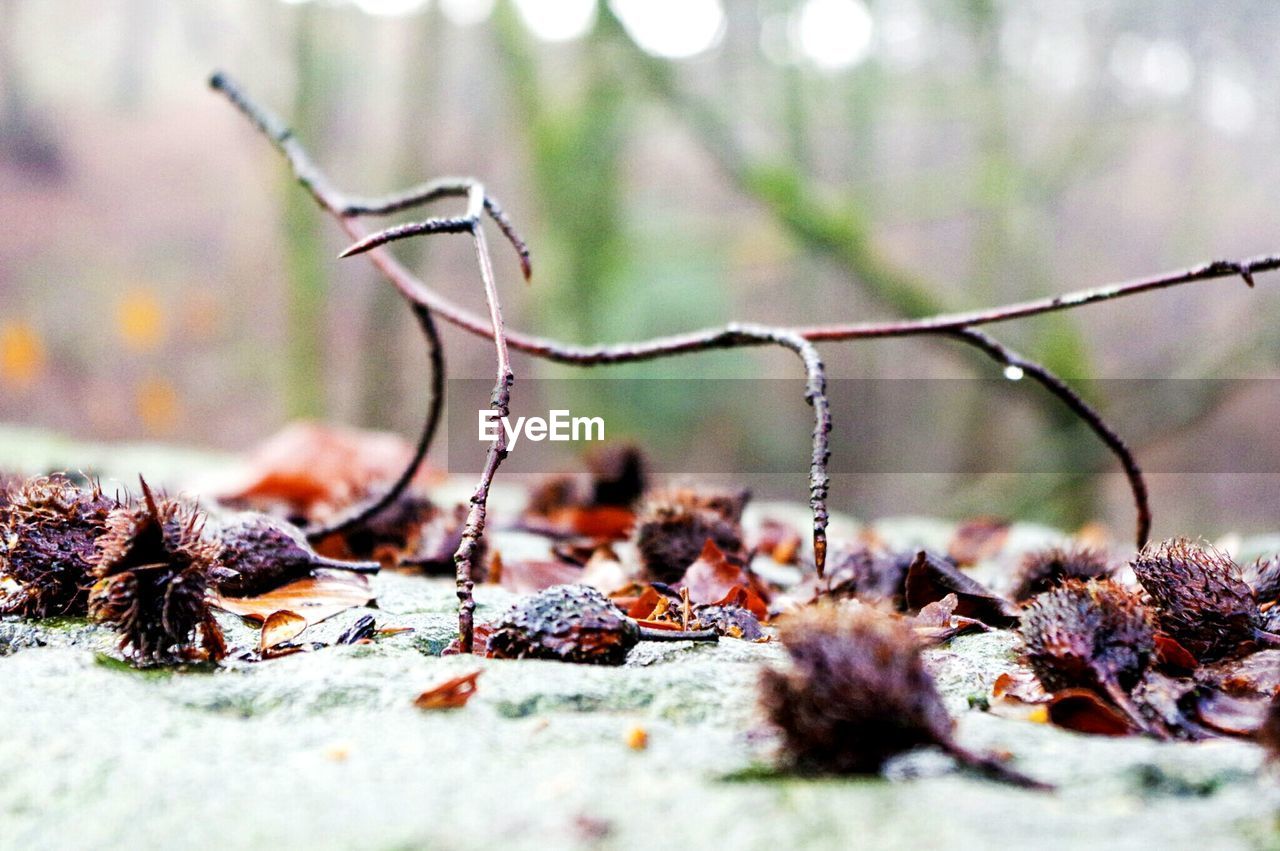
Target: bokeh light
x: 674, y: 29
x: 557, y: 20
x: 834, y: 34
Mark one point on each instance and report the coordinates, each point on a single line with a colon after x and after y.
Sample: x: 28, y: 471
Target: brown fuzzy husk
x: 1200, y: 597
x: 1094, y: 635
x: 152, y: 568
x: 1044, y: 569
x: 47, y: 531
x: 674, y: 526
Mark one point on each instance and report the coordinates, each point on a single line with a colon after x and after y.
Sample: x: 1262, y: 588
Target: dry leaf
x: 1231, y: 715
x: 314, y: 469
x: 930, y: 579
x: 1171, y: 654
x: 1084, y: 711
x: 451, y: 694
x: 315, y: 598
x: 279, y: 628
x: 712, y: 577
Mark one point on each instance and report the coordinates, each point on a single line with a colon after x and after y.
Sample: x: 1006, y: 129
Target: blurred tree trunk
x: 304, y: 250
x: 575, y: 160
x: 381, y: 386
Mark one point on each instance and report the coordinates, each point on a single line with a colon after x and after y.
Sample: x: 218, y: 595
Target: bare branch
x: 1082, y: 409
x: 423, y: 298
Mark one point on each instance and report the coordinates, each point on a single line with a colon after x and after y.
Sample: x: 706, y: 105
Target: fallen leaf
x: 1084, y: 711
x: 712, y: 577
x: 930, y: 579
x: 937, y: 621
x: 315, y: 598
x: 1171, y: 654
x: 1255, y: 674
x: 451, y: 694
x: 743, y: 597
x: 313, y: 469
x: 362, y: 630
x: 479, y: 642
x: 279, y: 628
x: 978, y: 539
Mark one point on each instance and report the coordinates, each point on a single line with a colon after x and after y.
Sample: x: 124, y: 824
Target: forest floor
x: 326, y: 750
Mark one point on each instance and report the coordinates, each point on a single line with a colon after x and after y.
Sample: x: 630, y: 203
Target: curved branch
x: 363, y: 513
x: 1055, y: 385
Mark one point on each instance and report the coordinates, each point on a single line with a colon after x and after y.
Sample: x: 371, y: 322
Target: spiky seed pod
x: 260, y: 553
x: 47, y: 532
x: 1263, y: 576
x: 1201, y: 598
x: 673, y: 528
x: 1043, y: 569
x: 152, y: 568
x: 856, y: 694
x: 567, y: 623
x: 1094, y: 634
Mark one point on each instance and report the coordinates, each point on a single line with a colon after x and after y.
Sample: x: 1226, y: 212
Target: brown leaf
x: 450, y: 694
x: 978, y: 539
x: 1084, y: 711
x: 530, y: 577
x: 279, y: 628
x: 479, y: 642
x: 712, y: 577
x: 313, y: 469
x: 1171, y: 654
x: 743, y: 597
x: 315, y: 598
x: 1020, y: 685
x: 645, y: 604
x: 930, y: 579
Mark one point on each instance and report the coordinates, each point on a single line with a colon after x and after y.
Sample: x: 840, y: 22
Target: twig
x: 815, y: 393
x: 499, y: 402
x: 363, y: 513
x: 958, y: 324
x: 1080, y: 408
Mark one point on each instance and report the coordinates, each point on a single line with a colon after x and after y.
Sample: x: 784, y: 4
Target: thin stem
x: 499, y: 403
x: 1055, y: 385
x: 816, y: 395
x: 363, y: 513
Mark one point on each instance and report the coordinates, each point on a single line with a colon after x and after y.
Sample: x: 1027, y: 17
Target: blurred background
x: 673, y: 163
